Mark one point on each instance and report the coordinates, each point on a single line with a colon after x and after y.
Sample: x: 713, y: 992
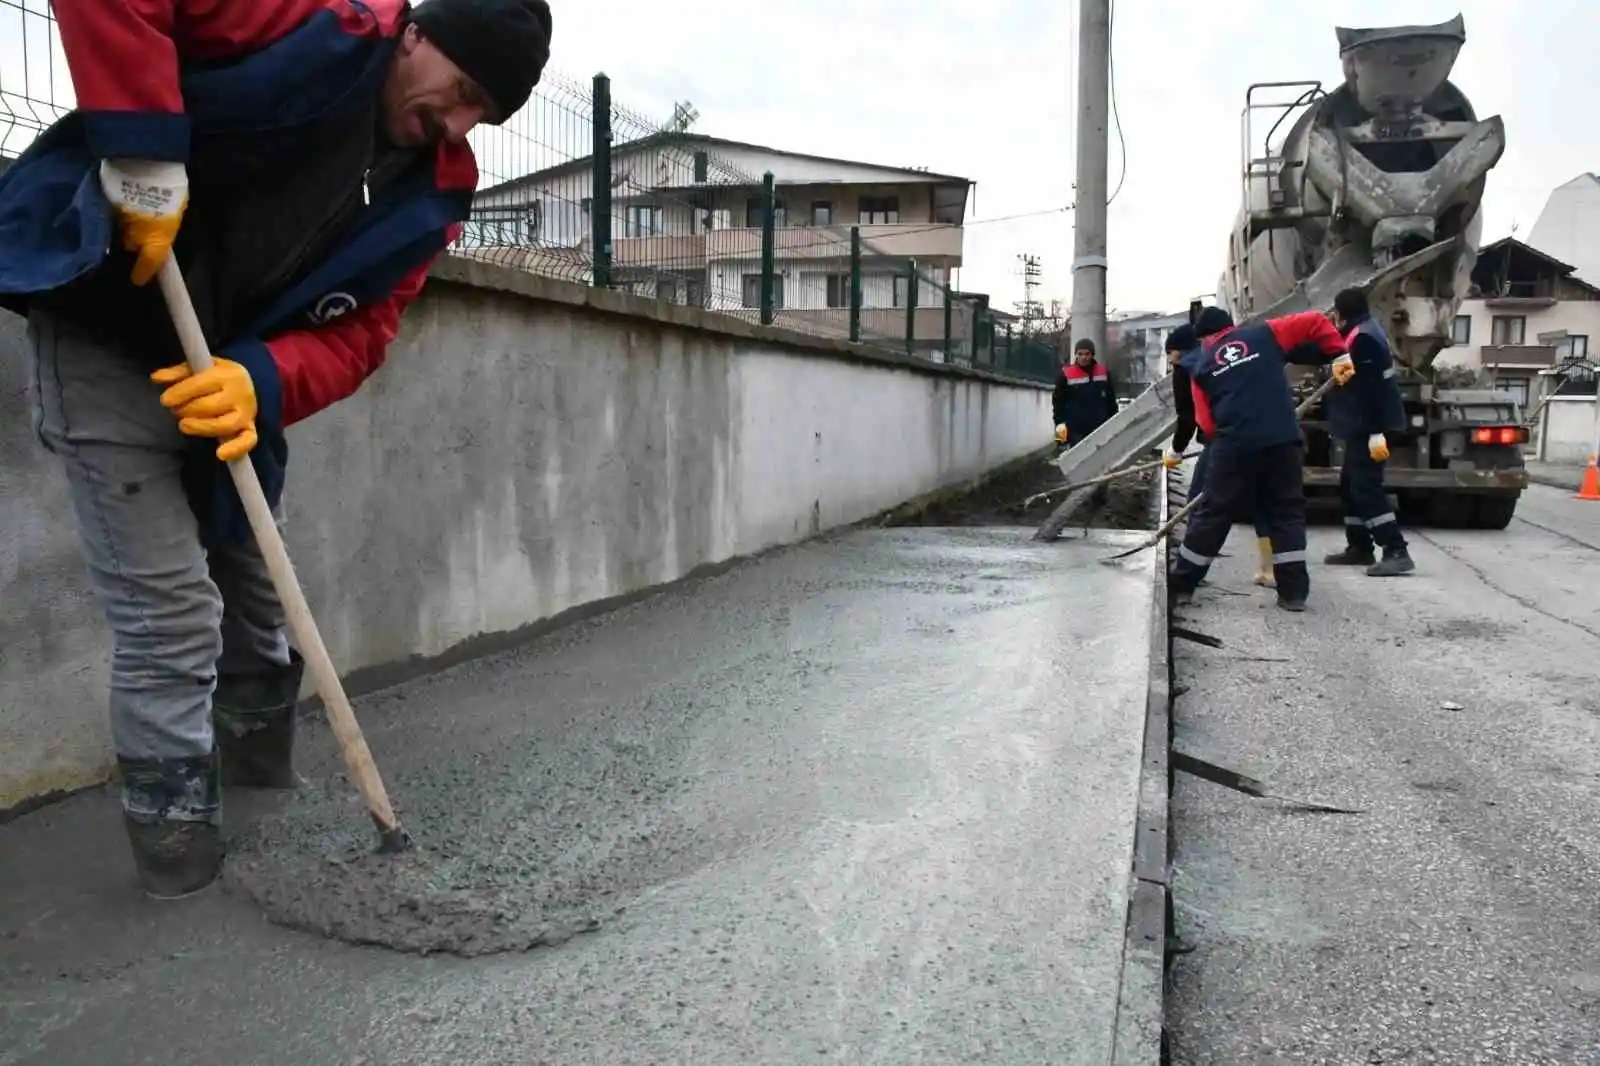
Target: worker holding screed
x: 1244, y: 405
x: 1181, y: 342
x: 303, y: 161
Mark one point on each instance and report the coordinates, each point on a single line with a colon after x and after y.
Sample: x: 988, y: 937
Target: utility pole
x: 1089, y: 214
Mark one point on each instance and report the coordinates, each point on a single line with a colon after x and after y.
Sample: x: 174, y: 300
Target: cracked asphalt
x: 1455, y: 920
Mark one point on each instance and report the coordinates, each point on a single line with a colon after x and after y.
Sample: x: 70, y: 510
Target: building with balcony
x: 686, y: 224
x: 1526, y: 319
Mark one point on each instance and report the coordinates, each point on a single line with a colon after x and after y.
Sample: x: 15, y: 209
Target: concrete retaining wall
x: 1566, y: 430
x: 532, y: 446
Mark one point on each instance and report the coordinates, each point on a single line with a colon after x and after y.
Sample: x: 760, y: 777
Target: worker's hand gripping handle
x: 341, y: 716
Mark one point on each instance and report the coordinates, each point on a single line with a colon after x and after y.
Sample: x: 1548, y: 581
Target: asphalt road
x: 868, y: 800
x: 1456, y: 920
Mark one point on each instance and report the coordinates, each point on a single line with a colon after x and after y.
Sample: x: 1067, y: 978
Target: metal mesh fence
x: 579, y: 187
x: 34, y: 87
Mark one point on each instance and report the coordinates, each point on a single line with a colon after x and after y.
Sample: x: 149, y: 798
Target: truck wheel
x: 1494, y: 512
x: 1453, y: 510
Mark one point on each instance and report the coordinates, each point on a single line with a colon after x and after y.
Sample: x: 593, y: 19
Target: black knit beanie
x: 1212, y: 320
x: 502, y: 45
x: 1182, y: 339
x: 1084, y: 345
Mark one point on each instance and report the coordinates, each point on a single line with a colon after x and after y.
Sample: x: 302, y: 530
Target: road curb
x: 1139, y: 1035
x: 1556, y: 481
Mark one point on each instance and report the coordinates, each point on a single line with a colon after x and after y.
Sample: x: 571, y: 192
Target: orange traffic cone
x: 1590, y: 489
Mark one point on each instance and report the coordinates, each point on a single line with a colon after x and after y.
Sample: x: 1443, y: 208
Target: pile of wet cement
x: 516, y: 848
x: 1000, y: 502
x: 550, y: 786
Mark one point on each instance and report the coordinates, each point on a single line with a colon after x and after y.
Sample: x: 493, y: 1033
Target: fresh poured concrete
x: 866, y: 800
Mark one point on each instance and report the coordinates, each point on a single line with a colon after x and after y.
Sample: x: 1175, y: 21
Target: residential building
x: 687, y: 213
x: 1526, y: 317
x: 1139, y: 339
x: 1569, y: 226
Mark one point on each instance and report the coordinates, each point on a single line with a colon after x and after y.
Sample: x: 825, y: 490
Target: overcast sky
x: 987, y: 91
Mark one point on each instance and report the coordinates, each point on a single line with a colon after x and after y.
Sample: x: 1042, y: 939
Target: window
x: 1461, y: 330
x: 702, y: 167
x: 899, y: 290
x: 642, y: 220
x: 838, y: 290
x: 694, y: 293
x: 879, y: 210
x: 752, y: 290
x: 821, y: 212
x: 1574, y: 346
x: 753, y: 213
x: 667, y: 290
x: 1507, y: 329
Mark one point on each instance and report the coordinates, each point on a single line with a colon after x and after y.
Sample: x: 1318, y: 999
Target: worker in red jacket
x: 303, y: 161
x: 1244, y: 406
x: 1085, y: 395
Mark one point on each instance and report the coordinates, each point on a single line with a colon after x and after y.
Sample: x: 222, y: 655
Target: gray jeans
x: 177, y: 616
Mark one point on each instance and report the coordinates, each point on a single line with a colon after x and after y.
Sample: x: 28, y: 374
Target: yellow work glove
x: 1172, y: 460
x: 148, y: 199
x: 1344, y: 368
x: 1061, y: 434
x: 219, y: 403
x: 1378, y: 447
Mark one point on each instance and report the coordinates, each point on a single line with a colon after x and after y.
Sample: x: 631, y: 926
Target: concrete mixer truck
x: 1376, y: 184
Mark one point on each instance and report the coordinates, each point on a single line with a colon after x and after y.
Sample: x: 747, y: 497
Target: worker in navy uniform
x: 1181, y: 342
x: 1242, y: 402
x: 1085, y: 395
x: 1359, y: 417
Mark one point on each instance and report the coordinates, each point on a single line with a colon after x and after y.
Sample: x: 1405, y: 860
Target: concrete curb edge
x: 1140, y: 1036
x: 1556, y: 481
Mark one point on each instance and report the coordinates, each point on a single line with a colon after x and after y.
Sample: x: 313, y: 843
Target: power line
x: 1111, y: 77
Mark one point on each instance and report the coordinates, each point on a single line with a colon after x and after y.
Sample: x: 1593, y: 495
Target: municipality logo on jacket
x: 1232, y: 354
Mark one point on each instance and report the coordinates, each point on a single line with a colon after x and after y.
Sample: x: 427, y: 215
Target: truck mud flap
x: 1349, y: 268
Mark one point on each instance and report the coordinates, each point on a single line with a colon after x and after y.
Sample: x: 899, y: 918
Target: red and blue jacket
x: 1242, y: 399
x: 150, y: 75
x: 1083, y: 399
x: 1370, y: 402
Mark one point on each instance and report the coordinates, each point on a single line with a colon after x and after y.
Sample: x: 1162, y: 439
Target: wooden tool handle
x: 1310, y: 401
x: 341, y: 716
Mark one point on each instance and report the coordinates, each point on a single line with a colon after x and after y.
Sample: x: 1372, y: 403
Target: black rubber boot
x: 172, y: 810
x: 253, y: 716
x: 1292, y: 603
x: 1395, y: 561
x: 1351, y: 556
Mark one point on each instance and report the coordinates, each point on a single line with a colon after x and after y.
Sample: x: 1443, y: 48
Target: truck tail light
x: 1500, y: 435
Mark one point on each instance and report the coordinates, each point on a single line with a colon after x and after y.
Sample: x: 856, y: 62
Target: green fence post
x: 855, y: 284
x: 769, y: 211
x: 600, y: 191
x: 911, y: 307
x: 949, y: 357
x: 1008, y: 365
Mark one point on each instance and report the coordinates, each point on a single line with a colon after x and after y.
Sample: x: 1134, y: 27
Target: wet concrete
x: 1004, y: 501
x: 866, y: 800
